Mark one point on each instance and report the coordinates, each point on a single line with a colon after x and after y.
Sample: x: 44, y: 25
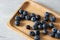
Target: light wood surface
x: 31, y: 6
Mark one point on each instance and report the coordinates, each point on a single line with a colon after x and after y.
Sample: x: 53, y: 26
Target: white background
x: 7, y: 7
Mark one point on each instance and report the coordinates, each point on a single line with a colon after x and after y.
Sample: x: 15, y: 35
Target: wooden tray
x: 31, y: 6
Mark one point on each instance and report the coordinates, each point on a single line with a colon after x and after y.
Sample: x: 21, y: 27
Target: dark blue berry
x: 32, y: 33
x: 52, y: 19
x: 46, y: 18
x: 33, y: 19
x: 35, y: 27
x: 52, y: 34
x: 44, y: 26
x: 40, y: 26
x: 27, y: 17
x: 28, y: 27
x: 38, y: 17
x: 47, y: 14
x: 57, y: 36
x: 36, y: 23
x: 17, y: 23
x: 36, y: 37
x: 25, y: 13
x: 21, y: 11
x: 22, y: 16
x: 58, y: 31
x: 17, y: 18
x: 32, y: 15
x: 54, y: 30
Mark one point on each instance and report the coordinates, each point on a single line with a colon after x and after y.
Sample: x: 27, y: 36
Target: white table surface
x: 7, y: 7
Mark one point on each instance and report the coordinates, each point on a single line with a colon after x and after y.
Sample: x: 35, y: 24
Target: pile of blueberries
x: 44, y: 24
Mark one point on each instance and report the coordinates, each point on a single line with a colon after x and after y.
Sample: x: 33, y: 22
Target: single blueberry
x: 21, y: 11
x: 47, y: 14
x: 17, y: 23
x: 27, y: 17
x: 38, y: 17
x: 32, y: 33
x: 57, y: 36
x: 36, y: 22
x: 27, y: 26
x: 40, y: 26
x: 52, y: 34
x: 17, y: 18
x: 54, y: 30
x: 46, y: 18
x: 25, y: 13
x: 33, y: 19
x: 36, y: 37
x: 44, y: 26
x: 52, y: 18
x: 58, y: 31
x: 35, y: 27
x: 22, y: 16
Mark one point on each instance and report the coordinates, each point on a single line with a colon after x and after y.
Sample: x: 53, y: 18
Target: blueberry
x: 47, y: 14
x: 32, y: 15
x: 57, y: 36
x: 58, y: 31
x: 40, y: 26
x: 25, y: 13
x: 52, y: 19
x: 35, y: 27
x: 45, y: 31
x: 27, y: 17
x: 44, y: 26
x: 54, y: 30
x: 52, y: 34
x: 46, y: 18
x: 17, y: 23
x: 37, y: 32
x: 28, y: 27
x: 32, y: 33
x: 17, y: 18
x: 38, y: 17
x: 22, y: 16
x: 36, y: 37
x: 51, y: 25
x: 21, y: 11
x: 33, y: 19
x: 36, y: 22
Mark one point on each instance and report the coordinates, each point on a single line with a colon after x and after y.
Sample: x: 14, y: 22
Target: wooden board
x: 31, y: 6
